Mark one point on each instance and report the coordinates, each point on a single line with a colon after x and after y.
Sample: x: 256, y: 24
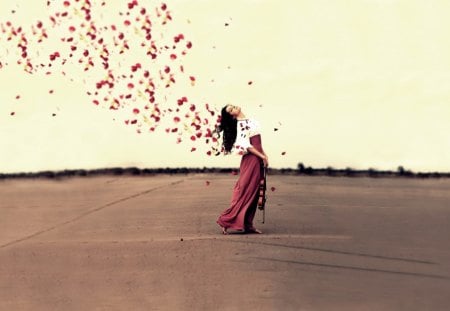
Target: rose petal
x: 87, y: 45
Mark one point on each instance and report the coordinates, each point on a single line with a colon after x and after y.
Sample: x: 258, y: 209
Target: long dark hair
x: 228, y: 125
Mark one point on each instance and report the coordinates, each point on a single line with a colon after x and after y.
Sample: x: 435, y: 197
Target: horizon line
x: 300, y: 170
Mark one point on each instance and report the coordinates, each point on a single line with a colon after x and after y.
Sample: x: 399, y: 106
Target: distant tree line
x: 117, y: 171
x: 300, y: 170
x: 371, y: 172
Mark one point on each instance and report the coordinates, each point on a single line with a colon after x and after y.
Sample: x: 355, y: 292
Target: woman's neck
x: 240, y: 116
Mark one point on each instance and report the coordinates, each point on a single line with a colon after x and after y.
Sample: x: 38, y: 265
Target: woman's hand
x: 265, y: 160
x: 262, y: 156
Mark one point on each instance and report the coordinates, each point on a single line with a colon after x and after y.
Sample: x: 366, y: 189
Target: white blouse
x: 245, y: 129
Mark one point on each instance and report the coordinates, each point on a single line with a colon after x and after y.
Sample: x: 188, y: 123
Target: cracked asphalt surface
x: 151, y: 243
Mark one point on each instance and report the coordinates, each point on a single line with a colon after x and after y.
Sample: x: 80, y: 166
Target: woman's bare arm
x: 259, y: 154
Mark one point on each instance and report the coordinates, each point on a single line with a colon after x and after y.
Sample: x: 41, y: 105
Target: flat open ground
x: 151, y: 243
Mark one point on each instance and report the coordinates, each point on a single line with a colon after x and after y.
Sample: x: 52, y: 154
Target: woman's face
x: 233, y: 110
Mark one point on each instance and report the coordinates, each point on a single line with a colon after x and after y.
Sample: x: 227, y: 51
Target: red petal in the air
x: 192, y: 80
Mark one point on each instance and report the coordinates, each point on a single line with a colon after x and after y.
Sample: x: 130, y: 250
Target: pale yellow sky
x: 359, y: 83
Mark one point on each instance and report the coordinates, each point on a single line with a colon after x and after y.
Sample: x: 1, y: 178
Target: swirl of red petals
x: 100, y: 52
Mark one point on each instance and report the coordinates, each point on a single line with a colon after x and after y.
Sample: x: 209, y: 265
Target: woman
x: 242, y: 136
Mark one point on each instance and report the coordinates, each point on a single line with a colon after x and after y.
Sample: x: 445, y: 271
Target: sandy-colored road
x: 151, y: 243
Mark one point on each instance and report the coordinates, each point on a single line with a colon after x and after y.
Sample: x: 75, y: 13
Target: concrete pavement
x: 151, y: 243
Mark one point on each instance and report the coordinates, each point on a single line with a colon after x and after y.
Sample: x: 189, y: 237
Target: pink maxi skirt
x: 240, y: 214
